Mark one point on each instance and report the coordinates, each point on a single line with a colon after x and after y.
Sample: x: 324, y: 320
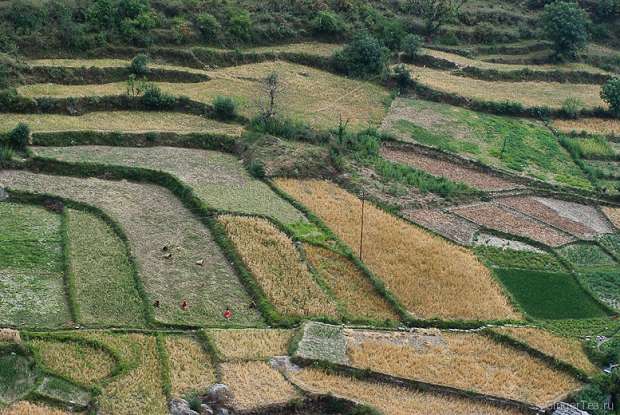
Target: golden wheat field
x: 251, y: 344
x: 390, y: 399
x: 126, y: 121
x: 27, y: 408
x: 191, y: 369
x: 350, y: 286
x: 430, y: 276
x: 613, y: 214
x: 465, y: 361
x: 256, y: 384
x: 589, y: 125
x: 83, y: 364
x: 276, y: 264
x: 530, y: 94
x: 314, y: 96
x: 563, y: 348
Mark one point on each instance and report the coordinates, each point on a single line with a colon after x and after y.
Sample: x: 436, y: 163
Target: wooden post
x: 362, y: 227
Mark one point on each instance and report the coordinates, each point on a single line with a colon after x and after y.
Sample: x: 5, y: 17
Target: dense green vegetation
x: 546, y: 295
x: 507, y: 258
x: 587, y: 257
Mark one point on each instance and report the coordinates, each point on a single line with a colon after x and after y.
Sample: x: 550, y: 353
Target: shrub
x: 571, y: 107
x: 403, y: 77
x: 610, y: 93
x: 390, y: 32
x: 154, y: 98
x: 257, y: 169
x: 182, y: 30
x: 606, y: 10
x: 4, y: 76
x: 140, y: 64
x: 6, y: 153
x: 208, y: 25
x: 363, y: 57
x: 566, y: 25
x: 19, y: 137
x: 240, y: 25
x: 410, y: 45
x: 26, y: 15
x: 224, y: 107
x: 328, y: 23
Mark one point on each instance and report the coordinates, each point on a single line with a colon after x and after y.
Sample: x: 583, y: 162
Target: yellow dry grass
x: 277, y: 266
x: 466, y: 361
x: 349, y: 285
x: 10, y: 336
x: 27, y: 408
x: 390, y: 399
x: 191, y: 368
x: 314, y: 96
x: 430, y: 276
x: 129, y: 121
x: 613, y: 214
x: 310, y: 48
x: 256, y: 384
x: 251, y: 344
x: 530, y: 94
x: 589, y: 125
x: 140, y: 389
x: 76, y: 361
x: 562, y: 348
x: 464, y: 61
x: 105, y: 63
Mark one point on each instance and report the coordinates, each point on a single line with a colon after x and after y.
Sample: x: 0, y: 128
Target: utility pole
x: 363, y: 197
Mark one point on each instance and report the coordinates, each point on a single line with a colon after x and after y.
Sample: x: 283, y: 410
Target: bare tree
x: 272, y: 88
x: 435, y: 13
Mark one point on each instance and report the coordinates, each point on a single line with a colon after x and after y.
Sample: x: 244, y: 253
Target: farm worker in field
x: 227, y: 313
x: 184, y: 305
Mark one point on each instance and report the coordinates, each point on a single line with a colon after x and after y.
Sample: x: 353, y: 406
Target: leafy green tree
x: 328, y: 23
x: 208, y: 25
x: 240, y: 25
x: 19, y: 137
x: 435, y: 13
x: 363, y: 57
x: 140, y: 64
x: 566, y: 25
x: 410, y: 45
x: 610, y: 93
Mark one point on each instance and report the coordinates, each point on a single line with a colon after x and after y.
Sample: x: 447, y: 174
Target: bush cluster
x: 154, y: 98
x: 224, y: 107
x: 363, y: 57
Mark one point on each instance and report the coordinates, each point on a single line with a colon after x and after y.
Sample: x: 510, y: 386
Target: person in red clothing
x: 227, y: 313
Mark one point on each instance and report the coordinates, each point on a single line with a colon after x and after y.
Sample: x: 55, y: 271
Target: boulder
x: 181, y: 407
x: 219, y: 395
x: 205, y: 410
x: 3, y: 194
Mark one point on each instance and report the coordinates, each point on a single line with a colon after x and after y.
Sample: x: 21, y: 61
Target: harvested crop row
x: 98, y: 263
x: 140, y: 390
x: 126, y: 121
x: 563, y: 348
x: 529, y: 94
x: 251, y: 344
x: 191, y: 369
x: 166, y: 241
x: 256, y: 385
x: 217, y: 178
x: 589, y: 125
x: 446, y: 224
x: 391, y: 399
x: 31, y: 267
x: 613, y: 214
x: 495, y: 217
x: 462, y: 360
x: 350, y: 286
x: 277, y: 266
x: 314, y: 96
x: 27, y: 408
x: 450, y: 170
x: 569, y: 217
x: 425, y: 272
x: 81, y: 363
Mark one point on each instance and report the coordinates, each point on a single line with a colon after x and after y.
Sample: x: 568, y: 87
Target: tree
x: 566, y: 25
x: 272, y: 87
x: 410, y: 45
x: 610, y: 93
x: 435, y: 13
x: 363, y: 57
x: 140, y: 64
x: 19, y: 137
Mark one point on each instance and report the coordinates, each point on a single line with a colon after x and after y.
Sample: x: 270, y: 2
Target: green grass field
x: 605, y: 285
x: 523, y: 146
x: 17, y: 377
x: 612, y: 243
x: 545, y: 295
x: 99, y: 263
x: 31, y: 268
x: 507, y: 258
x: 587, y: 257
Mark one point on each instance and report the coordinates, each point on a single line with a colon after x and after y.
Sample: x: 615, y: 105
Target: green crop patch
x: 520, y: 145
x: 218, y: 179
x: 17, y: 377
x: 31, y: 268
x: 177, y: 260
x: 587, y: 257
x: 508, y: 258
x: 605, y: 285
x: 612, y: 243
x: 62, y: 391
x: 547, y: 295
x: 99, y: 263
